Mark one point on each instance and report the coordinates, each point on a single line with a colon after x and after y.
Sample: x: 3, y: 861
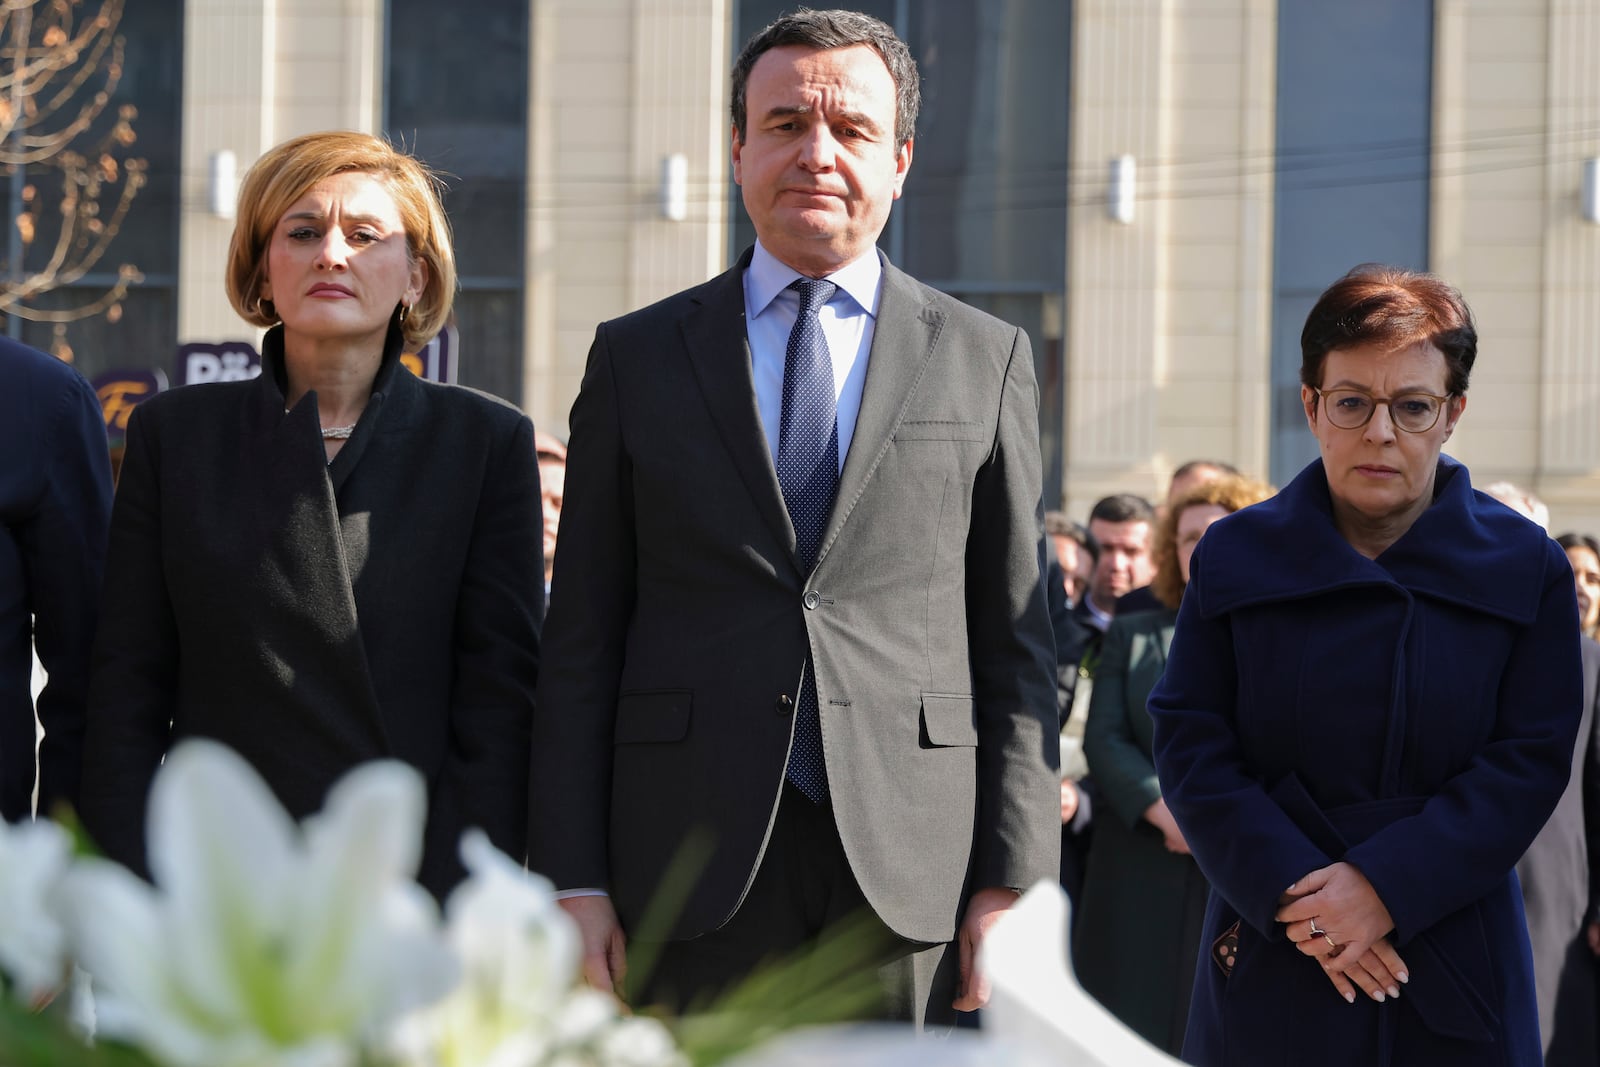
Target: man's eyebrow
x: 859, y: 119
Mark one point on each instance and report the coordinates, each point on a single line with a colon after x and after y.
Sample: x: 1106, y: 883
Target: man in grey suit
x: 798, y: 612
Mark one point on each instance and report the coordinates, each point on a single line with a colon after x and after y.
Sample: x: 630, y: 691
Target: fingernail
x: 1394, y: 991
x: 1377, y: 994
x: 1349, y: 998
x: 1403, y: 976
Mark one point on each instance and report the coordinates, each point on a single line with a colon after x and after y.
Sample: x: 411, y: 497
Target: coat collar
x: 390, y: 405
x: 1465, y: 549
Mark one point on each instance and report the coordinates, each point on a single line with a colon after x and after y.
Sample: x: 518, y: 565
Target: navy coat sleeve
x: 63, y: 545
x: 1474, y: 829
x: 1248, y: 848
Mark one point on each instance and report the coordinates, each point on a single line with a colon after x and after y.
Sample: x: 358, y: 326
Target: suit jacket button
x: 784, y: 705
x: 811, y: 600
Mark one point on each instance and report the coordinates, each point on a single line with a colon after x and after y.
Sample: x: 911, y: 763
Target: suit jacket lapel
x: 903, y: 340
x: 719, y: 351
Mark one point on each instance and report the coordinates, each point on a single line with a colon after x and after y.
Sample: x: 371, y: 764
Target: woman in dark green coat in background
x: 1144, y: 898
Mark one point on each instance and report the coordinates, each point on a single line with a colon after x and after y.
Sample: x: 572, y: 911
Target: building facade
x: 1155, y: 189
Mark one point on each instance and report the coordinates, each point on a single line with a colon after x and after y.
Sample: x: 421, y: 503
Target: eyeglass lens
x: 1412, y: 412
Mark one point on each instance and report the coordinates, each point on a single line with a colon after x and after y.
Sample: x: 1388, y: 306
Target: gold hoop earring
x: 404, y: 309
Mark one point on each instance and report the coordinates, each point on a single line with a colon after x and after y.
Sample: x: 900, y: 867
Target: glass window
x: 475, y: 134
x: 1354, y: 129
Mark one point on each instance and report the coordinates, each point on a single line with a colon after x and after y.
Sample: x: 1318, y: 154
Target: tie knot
x: 814, y: 292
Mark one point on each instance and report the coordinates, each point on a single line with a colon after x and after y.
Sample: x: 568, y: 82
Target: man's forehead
x: 1122, y: 534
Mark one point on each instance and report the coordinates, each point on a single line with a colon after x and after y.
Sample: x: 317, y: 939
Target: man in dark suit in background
x: 798, y: 603
x: 55, y: 505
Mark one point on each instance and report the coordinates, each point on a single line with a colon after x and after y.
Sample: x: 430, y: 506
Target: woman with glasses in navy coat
x: 1368, y: 713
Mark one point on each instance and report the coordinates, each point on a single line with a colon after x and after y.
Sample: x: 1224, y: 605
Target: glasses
x: 1351, y: 409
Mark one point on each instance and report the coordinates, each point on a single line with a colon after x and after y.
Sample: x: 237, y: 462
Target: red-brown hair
x: 1392, y: 309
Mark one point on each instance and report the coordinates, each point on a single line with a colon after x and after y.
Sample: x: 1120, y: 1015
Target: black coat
x: 313, y: 615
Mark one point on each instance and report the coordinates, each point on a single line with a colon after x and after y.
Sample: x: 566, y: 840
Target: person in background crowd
x: 749, y: 512
x: 1138, y: 931
x: 1076, y: 551
x: 1521, y: 501
x: 1560, y: 873
x: 1189, y: 476
x: 1120, y: 525
x: 336, y: 561
x: 552, y: 486
x: 1367, y: 714
x: 1583, y: 553
x: 55, y: 503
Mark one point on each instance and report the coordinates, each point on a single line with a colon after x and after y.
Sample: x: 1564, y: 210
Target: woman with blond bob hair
x: 1138, y: 932
x: 335, y: 561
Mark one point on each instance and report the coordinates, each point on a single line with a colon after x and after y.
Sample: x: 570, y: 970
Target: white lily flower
x: 262, y: 944
x: 33, y: 857
x: 519, y: 1004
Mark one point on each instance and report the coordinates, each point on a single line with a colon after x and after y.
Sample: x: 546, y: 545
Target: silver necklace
x: 338, y: 433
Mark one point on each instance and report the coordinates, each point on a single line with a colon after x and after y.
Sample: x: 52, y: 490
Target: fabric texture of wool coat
x: 1412, y: 715
x: 315, y: 615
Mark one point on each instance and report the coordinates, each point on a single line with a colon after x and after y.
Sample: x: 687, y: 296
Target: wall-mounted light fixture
x: 1119, y: 204
x: 1591, y: 190
x: 675, y: 187
x: 223, y: 194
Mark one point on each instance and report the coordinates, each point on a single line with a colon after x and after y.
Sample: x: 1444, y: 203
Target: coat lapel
x: 715, y: 336
x: 903, y: 340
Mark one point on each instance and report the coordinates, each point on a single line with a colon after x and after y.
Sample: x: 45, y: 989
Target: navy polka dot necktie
x: 808, y: 473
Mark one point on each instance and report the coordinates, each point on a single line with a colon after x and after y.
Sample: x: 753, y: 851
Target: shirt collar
x: 766, y: 277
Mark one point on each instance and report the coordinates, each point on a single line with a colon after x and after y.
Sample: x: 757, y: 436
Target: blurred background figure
x: 552, y: 487
x: 1076, y: 551
x: 1144, y: 898
x: 1583, y: 552
x: 1188, y: 477
x: 333, y: 562
x: 1521, y: 501
x: 55, y: 502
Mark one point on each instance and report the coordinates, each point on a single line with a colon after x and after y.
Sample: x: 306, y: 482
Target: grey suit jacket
x: 314, y: 616
x: 680, y: 620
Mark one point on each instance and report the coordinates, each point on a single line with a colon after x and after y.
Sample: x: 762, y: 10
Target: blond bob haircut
x: 1230, y: 493
x: 287, y: 172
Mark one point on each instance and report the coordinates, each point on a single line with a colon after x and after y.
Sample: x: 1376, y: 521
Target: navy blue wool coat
x: 1412, y: 715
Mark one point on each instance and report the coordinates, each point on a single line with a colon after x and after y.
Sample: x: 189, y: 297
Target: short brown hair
x: 1393, y: 309
x: 823, y: 30
x: 1230, y: 492
x: 286, y: 173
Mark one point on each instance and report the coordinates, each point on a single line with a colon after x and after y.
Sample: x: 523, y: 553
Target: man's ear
x: 902, y: 163
x: 733, y: 153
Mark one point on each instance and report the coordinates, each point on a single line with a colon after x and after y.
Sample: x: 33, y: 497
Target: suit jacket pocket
x: 652, y: 716
x: 941, y: 430
x: 949, y: 720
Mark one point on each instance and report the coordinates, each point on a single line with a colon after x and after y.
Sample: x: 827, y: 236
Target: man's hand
x: 1069, y: 800
x: 605, y: 958
x: 1158, y: 816
x: 986, y: 906
x: 1591, y: 933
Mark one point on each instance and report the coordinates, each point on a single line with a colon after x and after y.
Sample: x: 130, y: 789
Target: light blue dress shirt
x: 848, y: 319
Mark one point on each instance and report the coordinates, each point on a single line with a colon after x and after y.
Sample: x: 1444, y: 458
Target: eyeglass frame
x: 1388, y: 402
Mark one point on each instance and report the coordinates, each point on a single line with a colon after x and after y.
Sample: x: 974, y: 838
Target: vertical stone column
x: 616, y: 86
x: 257, y: 72
x: 1169, y: 316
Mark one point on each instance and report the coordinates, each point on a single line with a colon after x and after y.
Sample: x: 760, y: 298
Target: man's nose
x: 818, y: 149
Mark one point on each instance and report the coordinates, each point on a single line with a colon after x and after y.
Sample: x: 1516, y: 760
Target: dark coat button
x: 811, y: 600
x: 784, y: 706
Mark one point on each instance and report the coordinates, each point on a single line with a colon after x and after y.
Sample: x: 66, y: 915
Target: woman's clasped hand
x: 1335, y: 916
